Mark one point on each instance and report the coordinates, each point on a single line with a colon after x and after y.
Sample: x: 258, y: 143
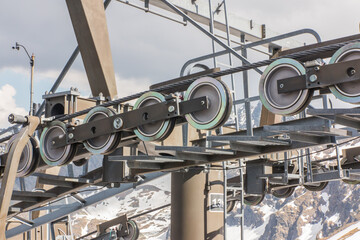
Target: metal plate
x: 101, y: 144
x: 283, y: 103
x: 156, y: 130
x: 348, y: 91
x: 55, y: 156
x: 219, y: 101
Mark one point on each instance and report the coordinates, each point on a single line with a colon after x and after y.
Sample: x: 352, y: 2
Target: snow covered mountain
x: 305, y: 215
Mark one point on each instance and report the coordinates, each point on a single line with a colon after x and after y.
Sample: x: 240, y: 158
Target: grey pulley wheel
x: 289, y: 103
x: 347, y: 91
x: 103, y: 144
x: 154, y: 131
x: 29, y: 159
x: 55, y: 156
x: 219, y: 102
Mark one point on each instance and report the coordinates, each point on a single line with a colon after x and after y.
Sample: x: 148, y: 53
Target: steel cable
x: 242, y: 68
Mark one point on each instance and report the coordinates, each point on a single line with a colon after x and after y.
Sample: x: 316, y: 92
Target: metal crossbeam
x: 70, y: 208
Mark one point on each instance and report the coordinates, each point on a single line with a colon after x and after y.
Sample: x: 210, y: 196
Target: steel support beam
x: 76, y: 206
x: 12, y: 163
x: 89, y: 22
x: 207, y: 33
x: 190, y: 204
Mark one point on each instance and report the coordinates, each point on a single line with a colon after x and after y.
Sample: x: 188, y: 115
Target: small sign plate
x: 216, y: 202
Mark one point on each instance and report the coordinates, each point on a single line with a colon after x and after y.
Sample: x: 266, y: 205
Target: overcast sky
x: 146, y: 48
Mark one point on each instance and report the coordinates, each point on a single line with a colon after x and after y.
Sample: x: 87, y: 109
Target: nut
x: 118, y: 123
x: 171, y: 108
x: 313, y: 78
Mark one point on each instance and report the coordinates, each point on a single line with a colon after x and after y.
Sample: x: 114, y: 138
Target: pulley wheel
x: 348, y: 91
x: 283, y: 103
x: 317, y: 187
x: 133, y: 231
x: 105, y: 143
x: 29, y: 158
x: 253, y: 200
x: 230, y: 205
x: 283, y: 192
x: 154, y: 131
x: 51, y: 155
x: 219, y: 101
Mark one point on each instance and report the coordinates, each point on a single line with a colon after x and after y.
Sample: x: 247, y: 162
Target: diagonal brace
x: 209, y: 34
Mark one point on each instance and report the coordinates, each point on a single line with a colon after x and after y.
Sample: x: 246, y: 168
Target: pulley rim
x: 105, y: 143
x: 153, y: 131
x: 218, y: 96
x: 63, y: 154
x: 293, y: 102
x: 344, y: 91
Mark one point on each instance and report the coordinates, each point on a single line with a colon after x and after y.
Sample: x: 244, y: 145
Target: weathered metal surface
x: 89, y: 22
x: 11, y: 167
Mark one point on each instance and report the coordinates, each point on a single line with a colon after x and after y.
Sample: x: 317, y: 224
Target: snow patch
x: 309, y: 231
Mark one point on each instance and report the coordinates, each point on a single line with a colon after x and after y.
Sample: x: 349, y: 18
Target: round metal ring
x: 348, y: 91
x: 219, y: 101
x: 155, y: 131
x: 283, y: 103
x: 105, y: 143
x: 51, y: 155
x: 29, y: 158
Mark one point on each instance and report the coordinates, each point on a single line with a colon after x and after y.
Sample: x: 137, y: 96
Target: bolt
x: 118, y: 123
x: 171, y: 108
x: 317, y: 68
x: 71, y: 135
x: 351, y: 72
x: 281, y: 85
x: 313, y: 78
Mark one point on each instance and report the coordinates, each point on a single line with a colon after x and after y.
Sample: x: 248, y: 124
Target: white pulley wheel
x: 55, y: 156
x: 289, y: 103
x: 29, y: 158
x: 219, y: 102
x: 103, y: 144
x: 154, y: 131
x: 347, y: 91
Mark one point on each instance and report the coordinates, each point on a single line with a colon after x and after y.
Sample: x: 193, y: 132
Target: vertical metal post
x: 212, y: 30
x: 233, y: 86
x: 340, y: 172
x: 249, y: 130
x: 22, y: 184
x: 225, y: 197
x: 286, y: 168
x: 52, y: 231
x: 32, y: 63
x: 309, y: 166
x: 301, y: 166
x: 242, y: 217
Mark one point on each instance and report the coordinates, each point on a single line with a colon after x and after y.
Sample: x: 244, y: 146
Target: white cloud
x: 8, y: 104
x: 129, y: 86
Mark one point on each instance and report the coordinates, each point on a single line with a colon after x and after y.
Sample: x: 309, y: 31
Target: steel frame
x: 244, y: 144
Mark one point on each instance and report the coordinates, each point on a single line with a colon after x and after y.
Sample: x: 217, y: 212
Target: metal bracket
x: 132, y: 119
x: 319, y: 77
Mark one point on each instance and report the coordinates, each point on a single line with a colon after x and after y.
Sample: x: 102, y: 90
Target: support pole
x: 89, y: 22
x: 190, y: 204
